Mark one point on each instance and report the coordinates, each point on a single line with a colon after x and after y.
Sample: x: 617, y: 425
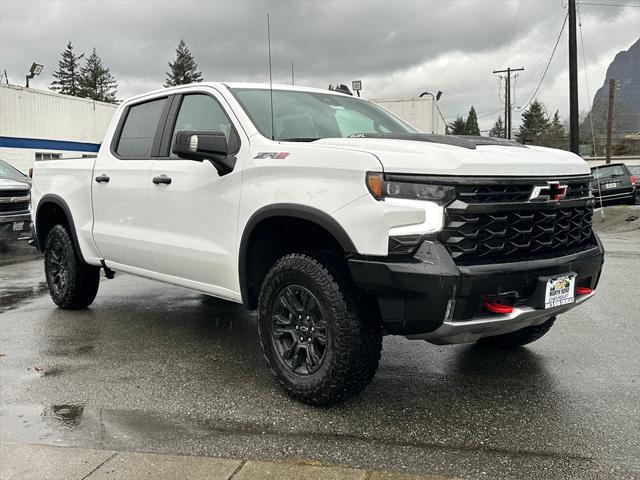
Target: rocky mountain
x: 625, y: 70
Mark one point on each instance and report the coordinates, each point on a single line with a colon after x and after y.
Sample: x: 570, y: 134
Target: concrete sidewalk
x: 38, y: 462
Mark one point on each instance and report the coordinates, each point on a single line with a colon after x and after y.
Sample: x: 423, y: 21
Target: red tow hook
x: 496, y: 307
x: 583, y: 291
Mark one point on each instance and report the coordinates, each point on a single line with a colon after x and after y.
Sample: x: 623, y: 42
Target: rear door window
x: 139, y: 129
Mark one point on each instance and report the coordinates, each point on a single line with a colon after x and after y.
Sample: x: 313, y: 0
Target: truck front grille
x: 520, y: 192
x: 14, y: 207
x: 502, y: 236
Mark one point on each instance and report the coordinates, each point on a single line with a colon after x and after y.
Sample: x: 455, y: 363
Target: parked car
x: 15, y: 200
x: 635, y: 171
x: 334, y: 219
x: 613, y: 183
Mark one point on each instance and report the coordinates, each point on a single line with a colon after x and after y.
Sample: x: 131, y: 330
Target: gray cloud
x: 397, y: 48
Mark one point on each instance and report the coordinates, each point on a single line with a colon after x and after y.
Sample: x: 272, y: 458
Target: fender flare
x: 59, y: 202
x: 292, y: 210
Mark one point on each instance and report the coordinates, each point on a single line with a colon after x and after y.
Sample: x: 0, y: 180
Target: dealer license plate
x: 18, y: 226
x: 610, y: 185
x: 560, y: 291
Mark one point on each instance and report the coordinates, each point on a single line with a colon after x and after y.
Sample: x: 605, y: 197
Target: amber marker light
x: 374, y: 184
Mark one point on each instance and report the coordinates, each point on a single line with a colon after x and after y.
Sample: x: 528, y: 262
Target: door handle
x: 162, y: 179
x: 102, y: 178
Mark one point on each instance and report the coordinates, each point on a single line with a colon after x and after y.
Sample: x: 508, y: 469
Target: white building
x: 41, y: 125
x: 421, y: 112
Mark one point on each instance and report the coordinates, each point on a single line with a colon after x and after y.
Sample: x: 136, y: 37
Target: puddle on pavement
x: 78, y: 425
x: 13, y: 295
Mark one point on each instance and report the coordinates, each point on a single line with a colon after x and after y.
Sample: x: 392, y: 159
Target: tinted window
x: 201, y: 112
x: 634, y: 169
x: 139, y: 129
x: 611, y: 171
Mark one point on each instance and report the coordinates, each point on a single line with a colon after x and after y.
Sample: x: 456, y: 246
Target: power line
x: 544, y: 74
x: 610, y: 4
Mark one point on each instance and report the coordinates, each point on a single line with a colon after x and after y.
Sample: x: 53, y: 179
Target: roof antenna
x: 270, y: 78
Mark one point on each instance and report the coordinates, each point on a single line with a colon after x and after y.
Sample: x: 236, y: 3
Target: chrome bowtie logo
x: 550, y: 192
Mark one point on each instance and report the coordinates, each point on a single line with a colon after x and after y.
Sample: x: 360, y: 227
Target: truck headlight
x: 382, y: 189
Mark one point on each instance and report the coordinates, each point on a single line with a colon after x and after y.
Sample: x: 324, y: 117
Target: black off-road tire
x: 72, y: 283
x: 519, y: 337
x: 353, y: 330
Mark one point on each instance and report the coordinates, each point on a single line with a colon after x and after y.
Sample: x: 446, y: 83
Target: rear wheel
x: 72, y: 283
x: 519, y: 337
x: 320, y: 342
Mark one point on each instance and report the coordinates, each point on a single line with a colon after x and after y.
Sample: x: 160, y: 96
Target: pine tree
x: 555, y: 134
x: 96, y: 81
x: 457, y: 127
x: 534, y: 123
x: 184, y: 69
x: 67, y: 77
x: 498, y: 128
x: 472, y: 123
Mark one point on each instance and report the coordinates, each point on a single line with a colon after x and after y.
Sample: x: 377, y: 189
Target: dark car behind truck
x: 613, y: 183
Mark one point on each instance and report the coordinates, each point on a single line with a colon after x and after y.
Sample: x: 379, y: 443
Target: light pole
x: 36, y: 69
x: 435, y: 98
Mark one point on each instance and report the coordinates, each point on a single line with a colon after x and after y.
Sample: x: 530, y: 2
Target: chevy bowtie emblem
x: 15, y: 200
x: 550, y: 192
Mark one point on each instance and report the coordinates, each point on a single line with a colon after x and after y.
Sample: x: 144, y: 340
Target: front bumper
x: 431, y: 298
x: 8, y: 222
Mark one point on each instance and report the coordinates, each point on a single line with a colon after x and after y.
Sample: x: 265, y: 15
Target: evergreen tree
x: 96, y: 81
x: 534, y: 123
x: 472, y: 123
x: 555, y: 134
x: 498, y: 128
x: 184, y: 69
x: 67, y: 77
x: 457, y: 127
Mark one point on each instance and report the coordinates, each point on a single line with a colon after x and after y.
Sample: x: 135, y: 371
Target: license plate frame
x: 611, y: 185
x: 560, y: 290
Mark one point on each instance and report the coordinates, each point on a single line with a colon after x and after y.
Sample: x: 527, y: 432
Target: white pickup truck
x: 333, y: 218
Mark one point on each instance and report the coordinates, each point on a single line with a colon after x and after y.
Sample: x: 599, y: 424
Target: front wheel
x: 519, y: 337
x: 319, y: 340
x: 72, y: 283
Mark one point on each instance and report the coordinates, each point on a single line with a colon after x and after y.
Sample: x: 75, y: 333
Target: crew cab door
x: 194, y: 210
x: 121, y: 185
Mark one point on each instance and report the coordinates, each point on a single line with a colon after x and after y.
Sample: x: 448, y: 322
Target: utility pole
x: 292, y: 83
x: 612, y: 89
x: 507, y: 99
x: 574, y: 133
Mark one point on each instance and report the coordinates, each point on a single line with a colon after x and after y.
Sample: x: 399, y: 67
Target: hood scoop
x: 463, y: 141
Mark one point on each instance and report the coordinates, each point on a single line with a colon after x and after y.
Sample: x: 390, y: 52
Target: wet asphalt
x: 156, y: 368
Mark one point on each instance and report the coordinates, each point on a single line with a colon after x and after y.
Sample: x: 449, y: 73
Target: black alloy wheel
x: 299, y: 332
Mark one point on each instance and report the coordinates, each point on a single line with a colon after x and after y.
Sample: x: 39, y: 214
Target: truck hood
x: 7, y: 183
x: 419, y: 157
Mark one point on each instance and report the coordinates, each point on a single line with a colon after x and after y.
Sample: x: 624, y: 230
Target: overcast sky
x: 397, y: 48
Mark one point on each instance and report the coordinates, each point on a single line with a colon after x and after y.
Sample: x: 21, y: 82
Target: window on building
x: 47, y: 156
x: 139, y: 129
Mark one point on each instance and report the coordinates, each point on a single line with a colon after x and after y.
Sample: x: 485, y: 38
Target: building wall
x: 37, y: 121
x: 422, y: 113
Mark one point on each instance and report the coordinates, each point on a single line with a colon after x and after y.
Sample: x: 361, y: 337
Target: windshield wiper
x: 298, y: 139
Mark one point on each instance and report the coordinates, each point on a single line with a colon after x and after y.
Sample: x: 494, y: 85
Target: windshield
x: 7, y: 171
x: 307, y: 116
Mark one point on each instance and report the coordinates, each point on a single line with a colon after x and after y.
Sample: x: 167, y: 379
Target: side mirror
x: 204, y: 145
